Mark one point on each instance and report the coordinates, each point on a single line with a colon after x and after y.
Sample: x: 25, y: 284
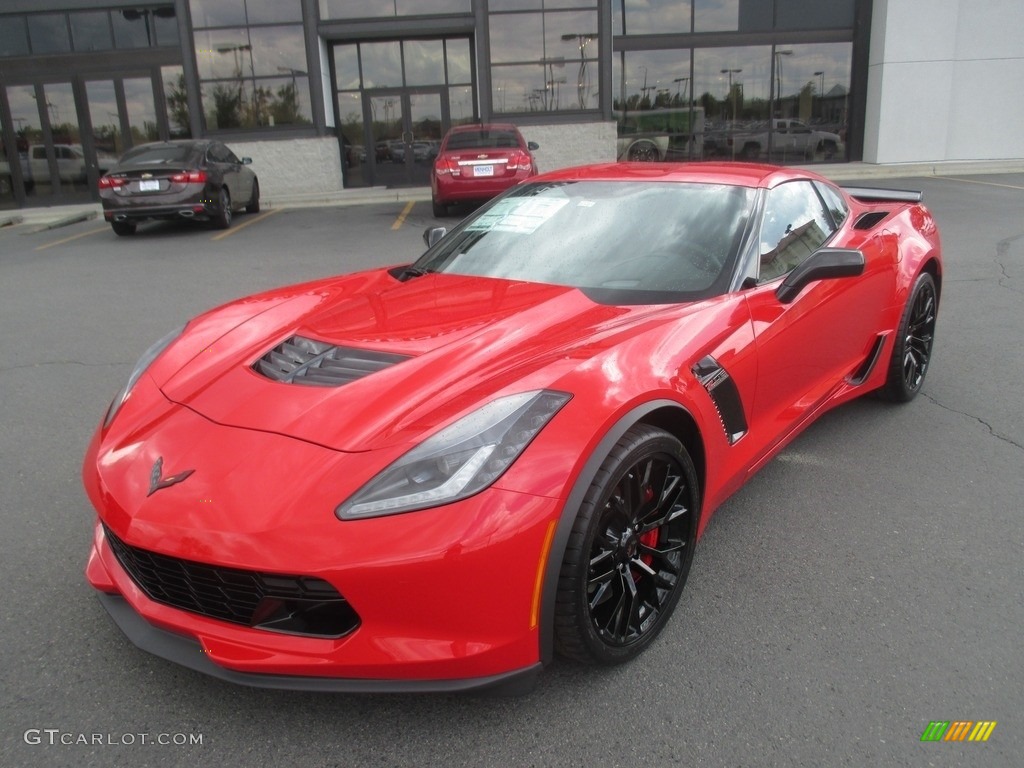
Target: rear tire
x: 254, y: 201
x: 222, y: 219
x: 630, y: 550
x: 440, y: 209
x: 122, y: 228
x: 912, y: 351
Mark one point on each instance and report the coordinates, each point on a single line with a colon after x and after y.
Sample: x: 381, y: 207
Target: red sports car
x: 439, y: 475
x: 478, y: 162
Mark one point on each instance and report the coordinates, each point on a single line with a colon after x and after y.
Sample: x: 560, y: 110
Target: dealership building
x: 334, y: 95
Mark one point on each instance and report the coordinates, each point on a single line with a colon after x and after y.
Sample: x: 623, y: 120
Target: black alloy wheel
x: 912, y: 351
x: 630, y: 550
x: 222, y: 220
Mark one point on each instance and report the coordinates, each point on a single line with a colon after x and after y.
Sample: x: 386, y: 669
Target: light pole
x: 294, y: 73
x: 732, y: 94
x: 778, y: 73
x: 582, y: 39
x: 678, y: 81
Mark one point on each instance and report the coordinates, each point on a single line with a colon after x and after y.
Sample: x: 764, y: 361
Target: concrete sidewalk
x: 60, y: 215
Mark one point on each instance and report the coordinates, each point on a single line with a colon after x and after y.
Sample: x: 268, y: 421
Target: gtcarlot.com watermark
x: 56, y: 736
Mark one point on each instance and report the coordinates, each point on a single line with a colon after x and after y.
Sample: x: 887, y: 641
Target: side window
x: 795, y: 224
x: 219, y: 153
x: 834, y: 202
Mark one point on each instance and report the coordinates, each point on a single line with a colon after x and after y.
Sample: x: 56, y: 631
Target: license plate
x: 483, y: 170
x: 149, y: 186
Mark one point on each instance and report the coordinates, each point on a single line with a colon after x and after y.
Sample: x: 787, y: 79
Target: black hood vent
x: 319, y: 364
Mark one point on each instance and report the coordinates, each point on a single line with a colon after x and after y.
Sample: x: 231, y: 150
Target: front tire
x: 629, y: 551
x: 254, y: 201
x: 912, y: 351
x: 222, y: 219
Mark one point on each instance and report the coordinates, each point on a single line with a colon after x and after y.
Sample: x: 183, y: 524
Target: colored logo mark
x: 958, y: 730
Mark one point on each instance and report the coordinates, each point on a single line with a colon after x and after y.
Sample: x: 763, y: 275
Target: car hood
x: 461, y: 340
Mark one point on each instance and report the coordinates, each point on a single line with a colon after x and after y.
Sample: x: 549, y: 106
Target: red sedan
x: 439, y: 475
x: 478, y: 162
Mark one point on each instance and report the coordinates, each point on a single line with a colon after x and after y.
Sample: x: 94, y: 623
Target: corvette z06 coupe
x: 439, y: 475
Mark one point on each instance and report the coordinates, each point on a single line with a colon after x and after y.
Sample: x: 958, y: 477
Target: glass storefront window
x: 14, y: 36
x: 90, y: 31
x: 103, y: 114
x: 460, y: 64
x: 138, y: 97
x: 219, y: 13
x: 424, y: 62
x: 176, y: 95
x: 647, y: 17
x: 48, y: 33
x: 28, y: 132
x: 369, y: 9
x: 460, y: 104
x: 653, y: 107
x: 166, y: 23
x: 545, y: 60
x: 813, y: 14
x: 133, y: 28
x: 346, y: 67
x: 382, y: 64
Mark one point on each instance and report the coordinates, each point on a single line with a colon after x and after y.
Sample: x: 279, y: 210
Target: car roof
x: 477, y: 127
x: 736, y: 174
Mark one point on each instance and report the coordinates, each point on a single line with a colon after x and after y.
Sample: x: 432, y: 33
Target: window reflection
x: 382, y: 64
x: 104, y: 116
x: 138, y: 96
x: 653, y: 107
x: 424, y: 62
x: 90, y: 31
x: 252, y: 77
x: 644, y: 17
x: 14, y: 36
x: 48, y: 33
x: 361, y: 9
x: 176, y: 96
x: 544, y: 61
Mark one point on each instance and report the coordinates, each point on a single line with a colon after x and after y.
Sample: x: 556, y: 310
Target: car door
x: 806, y: 347
x: 229, y: 168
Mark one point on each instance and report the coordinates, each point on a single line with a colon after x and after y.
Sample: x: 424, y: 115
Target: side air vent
x: 868, y: 220
x: 319, y: 364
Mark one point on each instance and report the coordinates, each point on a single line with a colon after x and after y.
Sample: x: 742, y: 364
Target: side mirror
x: 823, y: 264
x: 532, y: 145
x: 246, y: 161
x: 432, y: 234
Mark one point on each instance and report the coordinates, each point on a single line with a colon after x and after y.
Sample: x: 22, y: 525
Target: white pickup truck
x: 790, y: 139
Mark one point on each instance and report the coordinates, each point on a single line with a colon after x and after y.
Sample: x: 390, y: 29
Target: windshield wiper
x: 408, y: 272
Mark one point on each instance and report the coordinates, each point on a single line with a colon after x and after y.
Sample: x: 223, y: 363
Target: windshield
x: 482, y: 139
x: 659, y: 241
x: 157, y: 153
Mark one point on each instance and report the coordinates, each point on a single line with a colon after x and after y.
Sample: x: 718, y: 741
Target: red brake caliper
x: 649, y: 539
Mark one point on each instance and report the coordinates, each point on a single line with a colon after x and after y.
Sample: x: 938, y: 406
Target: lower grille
x: 298, y: 605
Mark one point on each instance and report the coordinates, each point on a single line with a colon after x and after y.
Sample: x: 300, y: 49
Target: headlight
x: 458, y: 461
x: 145, y: 361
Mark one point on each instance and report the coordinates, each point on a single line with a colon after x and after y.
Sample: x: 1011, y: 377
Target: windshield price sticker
x: 522, y: 215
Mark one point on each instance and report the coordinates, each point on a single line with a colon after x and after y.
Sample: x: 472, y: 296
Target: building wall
x: 945, y: 80
x: 562, y: 146
x: 295, y: 166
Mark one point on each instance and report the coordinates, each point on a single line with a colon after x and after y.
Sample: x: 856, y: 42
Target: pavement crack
x: 978, y: 419
x: 1002, y: 250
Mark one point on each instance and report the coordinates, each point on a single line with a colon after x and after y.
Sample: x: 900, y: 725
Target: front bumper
x: 188, y: 653
x: 447, y: 598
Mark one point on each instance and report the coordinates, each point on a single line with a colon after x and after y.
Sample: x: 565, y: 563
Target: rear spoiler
x: 876, y: 195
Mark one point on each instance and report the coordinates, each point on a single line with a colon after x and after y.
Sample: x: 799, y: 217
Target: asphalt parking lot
x: 866, y: 582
